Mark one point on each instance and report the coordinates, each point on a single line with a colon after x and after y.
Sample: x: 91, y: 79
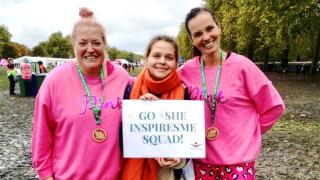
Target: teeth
x: 208, y: 45
x: 90, y: 58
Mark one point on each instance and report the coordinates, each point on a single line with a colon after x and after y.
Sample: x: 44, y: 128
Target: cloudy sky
x: 130, y: 23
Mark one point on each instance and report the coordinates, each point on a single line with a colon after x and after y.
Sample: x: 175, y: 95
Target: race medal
x: 212, y: 133
x: 99, y: 135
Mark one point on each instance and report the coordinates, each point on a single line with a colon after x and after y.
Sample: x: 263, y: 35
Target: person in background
x: 298, y: 66
x: 3, y: 63
x: 10, y: 61
x: 11, y: 74
x: 158, y: 80
x: 42, y: 68
x: 241, y: 103
x: 26, y: 75
x: 77, y: 115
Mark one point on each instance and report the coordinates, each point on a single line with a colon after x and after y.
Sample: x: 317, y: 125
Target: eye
x: 197, y: 34
x: 156, y: 55
x: 210, y: 28
x: 170, y: 57
x: 96, y: 43
x: 82, y: 43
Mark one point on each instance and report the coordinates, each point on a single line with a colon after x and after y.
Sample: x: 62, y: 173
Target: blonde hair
x: 87, y: 19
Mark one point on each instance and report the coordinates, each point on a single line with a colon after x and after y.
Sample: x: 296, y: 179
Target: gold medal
x: 99, y: 135
x: 212, y: 133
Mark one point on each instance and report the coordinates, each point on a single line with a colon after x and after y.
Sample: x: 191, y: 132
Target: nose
x: 206, y: 36
x: 162, y: 60
x: 90, y: 48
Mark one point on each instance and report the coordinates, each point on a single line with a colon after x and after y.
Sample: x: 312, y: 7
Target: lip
x: 161, y: 69
x: 90, y: 58
x: 209, y: 45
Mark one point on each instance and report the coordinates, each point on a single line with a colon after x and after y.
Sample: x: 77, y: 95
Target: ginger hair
x: 87, y: 19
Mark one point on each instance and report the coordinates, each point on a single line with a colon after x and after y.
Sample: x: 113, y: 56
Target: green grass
x: 301, y: 96
x: 135, y: 72
x: 4, y: 82
x: 302, y: 131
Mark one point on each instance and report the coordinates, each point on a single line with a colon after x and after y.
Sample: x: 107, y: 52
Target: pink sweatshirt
x: 247, y: 106
x: 62, y: 144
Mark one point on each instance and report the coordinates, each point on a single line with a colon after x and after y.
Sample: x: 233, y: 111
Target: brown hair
x: 165, y: 38
x: 87, y: 19
x: 192, y: 14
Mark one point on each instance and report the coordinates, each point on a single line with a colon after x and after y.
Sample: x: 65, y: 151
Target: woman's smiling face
x: 161, y: 60
x: 205, y: 33
x: 89, y: 49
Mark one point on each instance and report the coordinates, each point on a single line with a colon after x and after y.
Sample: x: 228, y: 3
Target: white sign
x: 163, y: 128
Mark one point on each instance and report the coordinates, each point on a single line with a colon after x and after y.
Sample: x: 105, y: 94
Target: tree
x: 59, y: 46
x: 40, y: 50
x: 312, y: 15
x: 270, y: 29
x: 10, y: 50
x: 184, y: 43
x: 123, y: 54
x: 227, y: 21
x: 23, y: 49
x: 5, y: 35
x: 315, y: 61
x: 130, y: 57
x: 113, y: 53
x: 248, y: 31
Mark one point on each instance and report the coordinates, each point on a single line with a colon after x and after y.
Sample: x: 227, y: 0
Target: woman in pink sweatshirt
x: 78, y: 111
x: 26, y: 75
x: 240, y: 102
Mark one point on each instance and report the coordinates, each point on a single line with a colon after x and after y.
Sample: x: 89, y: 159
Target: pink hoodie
x: 247, y: 106
x: 62, y: 144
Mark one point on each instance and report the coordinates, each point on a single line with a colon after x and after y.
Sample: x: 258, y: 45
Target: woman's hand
x: 168, y: 162
x: 148, y: 96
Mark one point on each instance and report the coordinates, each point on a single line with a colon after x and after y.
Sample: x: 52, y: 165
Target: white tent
x: 47, y: 61
x: 123, y: 61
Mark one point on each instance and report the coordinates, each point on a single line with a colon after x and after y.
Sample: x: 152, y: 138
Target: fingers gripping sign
x: 148, y: 96
x: 168, y: 162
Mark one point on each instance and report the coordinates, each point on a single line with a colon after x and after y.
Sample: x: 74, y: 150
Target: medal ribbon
x: 204, y: 87
x: 96, y: 109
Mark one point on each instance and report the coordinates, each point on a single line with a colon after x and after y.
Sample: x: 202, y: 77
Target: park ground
x: 291, y: 150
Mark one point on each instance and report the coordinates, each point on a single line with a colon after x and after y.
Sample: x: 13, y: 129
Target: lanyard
x: 204, y: 87
x: 96, y: 109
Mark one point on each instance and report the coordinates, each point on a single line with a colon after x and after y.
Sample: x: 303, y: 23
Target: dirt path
x: 16, y: 116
